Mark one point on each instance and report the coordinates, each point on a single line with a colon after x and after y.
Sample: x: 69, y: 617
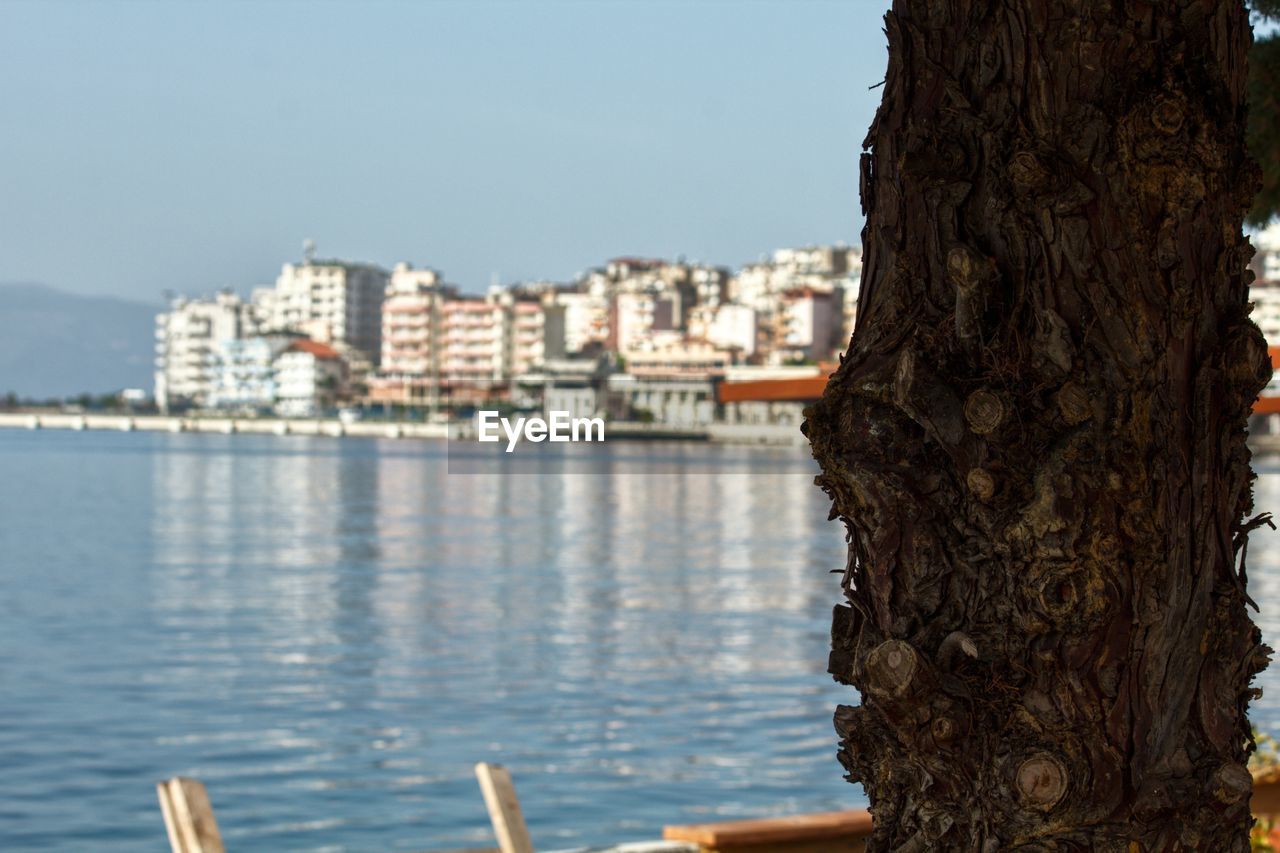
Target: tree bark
x: 1037, y: 438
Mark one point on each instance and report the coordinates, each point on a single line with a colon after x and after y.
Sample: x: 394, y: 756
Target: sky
x: 152, y: 146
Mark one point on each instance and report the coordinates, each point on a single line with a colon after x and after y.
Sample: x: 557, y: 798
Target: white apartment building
x: 1265, y: 296
x: 1266, y: 262
x: 820, y: 267
x: 245, y: 373
x: 734, y: 327
x: 808, y: 326
x: 309, y: 377
x: 1264, y: 293
x: 188, y: 341
x: 575, y: 322
x: 335, y: 302
x: 638, y: 314
x: 523, y: 323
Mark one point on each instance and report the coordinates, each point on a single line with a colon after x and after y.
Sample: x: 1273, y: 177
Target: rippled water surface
x: 329, y: 633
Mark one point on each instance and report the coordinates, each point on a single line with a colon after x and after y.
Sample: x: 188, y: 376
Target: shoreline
x: 771, y: 435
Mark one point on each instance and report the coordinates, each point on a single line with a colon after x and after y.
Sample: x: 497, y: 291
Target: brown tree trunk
x: 1036, y: 440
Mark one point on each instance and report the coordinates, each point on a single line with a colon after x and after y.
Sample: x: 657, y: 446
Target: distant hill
x: 58, y: 344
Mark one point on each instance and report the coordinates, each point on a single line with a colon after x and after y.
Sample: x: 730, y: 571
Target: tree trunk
x: 1037, y: 438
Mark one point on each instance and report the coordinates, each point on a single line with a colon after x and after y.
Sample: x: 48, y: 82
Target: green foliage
x: 1264, y: 121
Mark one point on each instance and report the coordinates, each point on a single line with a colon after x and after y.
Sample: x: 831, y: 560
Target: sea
x: 331, y: 632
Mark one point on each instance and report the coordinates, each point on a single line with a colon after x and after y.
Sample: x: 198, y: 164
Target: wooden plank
x: 170, y: 826
x: 188, y: 817
x: 774, y: 832
x: 1266, y: 793
x: 504, y: 808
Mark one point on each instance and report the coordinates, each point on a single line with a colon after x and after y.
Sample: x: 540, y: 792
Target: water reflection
x: 331, y: 632
x: 648, y: 648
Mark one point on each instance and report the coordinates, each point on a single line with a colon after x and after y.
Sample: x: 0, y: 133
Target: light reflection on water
x: 330, y: 633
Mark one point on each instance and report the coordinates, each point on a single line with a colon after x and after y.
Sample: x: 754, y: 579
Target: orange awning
x: 803, y: 390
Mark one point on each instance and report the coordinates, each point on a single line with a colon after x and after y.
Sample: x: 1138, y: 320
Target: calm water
x: 329, y: 633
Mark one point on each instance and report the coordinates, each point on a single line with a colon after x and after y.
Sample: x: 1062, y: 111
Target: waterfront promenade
x: 768, y: 434
x: 221, y: 425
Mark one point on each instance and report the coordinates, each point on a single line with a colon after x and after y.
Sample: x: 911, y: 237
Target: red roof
x: 316, y: 348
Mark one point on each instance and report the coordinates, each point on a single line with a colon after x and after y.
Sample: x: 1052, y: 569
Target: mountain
x: 58, y: 344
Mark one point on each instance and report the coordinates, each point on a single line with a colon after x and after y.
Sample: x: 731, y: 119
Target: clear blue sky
x: 191, y: 146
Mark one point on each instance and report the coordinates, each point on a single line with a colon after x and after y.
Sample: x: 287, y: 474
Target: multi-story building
x: 786, y: 291
x: 808, y: 326
x: 1265, y: 290
x: 1266, y: 262
x: 638, y: 314
x: 309, y: 378
x: 471, y: 348
x: 412, y: 326
x: 523, y: 323
x: 245, y: 373
x: 335, y: 302
x: 575, y: 322
x: 441, y: 346
x: 1265, y: 296
x: 727, y: 326
x: 188, y: 338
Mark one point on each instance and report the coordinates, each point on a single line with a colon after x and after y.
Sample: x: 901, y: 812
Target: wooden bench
x: 825, y: 832
x: 842, y: 832
x: 190, y: 824
x: 513, y: 836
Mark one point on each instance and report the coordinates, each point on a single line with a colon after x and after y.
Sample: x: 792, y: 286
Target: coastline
x: 772, y: 435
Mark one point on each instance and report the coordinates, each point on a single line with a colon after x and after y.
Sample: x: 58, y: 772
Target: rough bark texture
x: 1036, y: 440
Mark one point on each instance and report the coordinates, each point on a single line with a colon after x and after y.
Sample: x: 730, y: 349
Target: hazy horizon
x: 193, y: 147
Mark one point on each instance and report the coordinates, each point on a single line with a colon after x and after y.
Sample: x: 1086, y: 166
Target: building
x: 575, y: 323
x: 472, y: 346
x: 636, y: 315
x: 334, y: 302
x: 309, y: 379
x: 188, y: 341
x: 442, y: 347
x: 245, y: 375
x: 1264, y: 293
x: 805, y: 299
x: 672, y: 383
x: 1265, y: 296
x: 1266, y: 261
x: 770, y: 396
x: 726, y: 326
x: 575, y: 385
x: 808, y: 325
x: 412, y: 327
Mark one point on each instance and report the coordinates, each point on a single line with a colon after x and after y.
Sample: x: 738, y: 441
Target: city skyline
x: 479, y: 140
